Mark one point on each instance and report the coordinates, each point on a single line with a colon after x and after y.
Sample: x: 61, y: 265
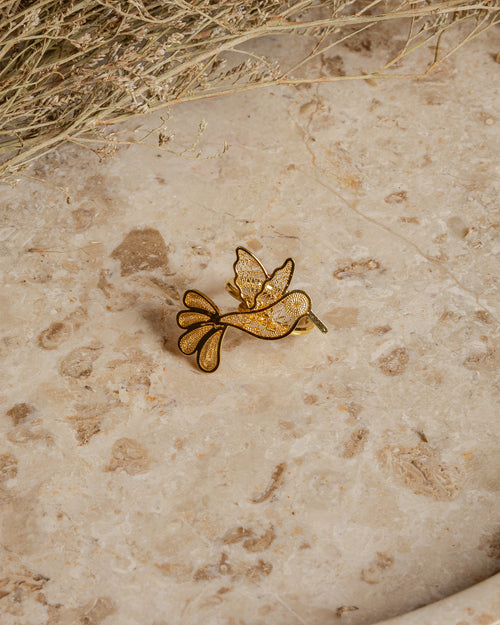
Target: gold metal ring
x: 267, y: 310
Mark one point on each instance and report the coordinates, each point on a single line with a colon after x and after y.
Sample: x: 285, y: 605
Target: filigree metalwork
x: 267, y: 310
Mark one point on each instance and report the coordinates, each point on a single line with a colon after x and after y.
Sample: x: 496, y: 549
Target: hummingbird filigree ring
x: 267, y: 310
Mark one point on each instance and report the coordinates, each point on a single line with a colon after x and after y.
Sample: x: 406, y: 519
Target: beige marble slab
x: 479, y: 605
x: 348, y: 477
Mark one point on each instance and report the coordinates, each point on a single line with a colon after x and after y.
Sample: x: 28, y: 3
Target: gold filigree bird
x: 266, y: 311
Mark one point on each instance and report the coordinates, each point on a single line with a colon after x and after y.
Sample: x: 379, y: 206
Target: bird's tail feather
x: 204, y: 332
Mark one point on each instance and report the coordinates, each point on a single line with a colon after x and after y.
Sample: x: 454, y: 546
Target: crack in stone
x: 408, y: 242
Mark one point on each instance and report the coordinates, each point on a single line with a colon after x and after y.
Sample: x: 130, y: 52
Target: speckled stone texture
x: 347, y: 477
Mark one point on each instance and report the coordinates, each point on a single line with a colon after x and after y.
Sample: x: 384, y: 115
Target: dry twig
x: 71, y: 68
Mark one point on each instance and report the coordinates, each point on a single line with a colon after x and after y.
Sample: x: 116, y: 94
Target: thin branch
x: 68, y: 70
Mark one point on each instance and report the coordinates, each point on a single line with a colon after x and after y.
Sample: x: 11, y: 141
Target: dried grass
x: 69, y: 69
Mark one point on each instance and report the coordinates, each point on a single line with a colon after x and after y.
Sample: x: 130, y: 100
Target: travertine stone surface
x: 346, y: 477
x: 474, y: 606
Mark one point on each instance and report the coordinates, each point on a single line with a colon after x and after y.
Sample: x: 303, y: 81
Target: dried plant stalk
x: 69, y: 69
